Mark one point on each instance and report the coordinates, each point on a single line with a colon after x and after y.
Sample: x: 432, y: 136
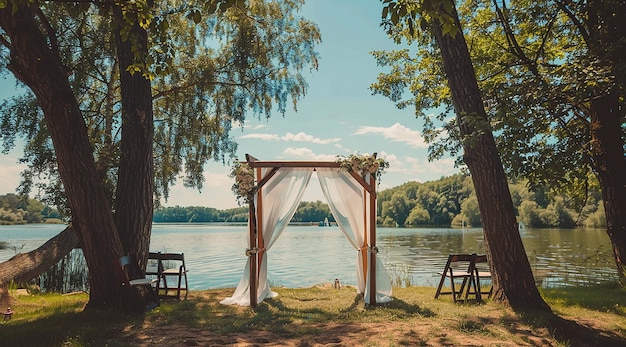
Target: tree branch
x: 5, y: 42
x: 577, y: 23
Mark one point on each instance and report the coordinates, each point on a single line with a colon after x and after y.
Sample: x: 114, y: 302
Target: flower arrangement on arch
x: 244, y: 187
x: 363, y: 164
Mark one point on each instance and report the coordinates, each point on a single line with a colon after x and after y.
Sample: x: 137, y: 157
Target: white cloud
x: 290, y: 137
x: 217, y: 179
x: 396, y: 133
x: 395, y: 164
x: 418, y: 169
x: 10, y: 173
x: 341, y: 148
x: 304, y: 153
x: 216, y: 191
x: 265, y: 137
x: 10, y: 178
x: 302, y: 137
x: 249, y: 125
x: 433, y: 169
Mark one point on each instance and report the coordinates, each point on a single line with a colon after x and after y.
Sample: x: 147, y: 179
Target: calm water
x: 308, y: 255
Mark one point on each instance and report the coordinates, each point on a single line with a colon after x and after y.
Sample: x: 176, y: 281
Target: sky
x: 338, y: 116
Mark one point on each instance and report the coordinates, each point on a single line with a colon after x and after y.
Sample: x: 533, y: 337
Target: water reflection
x: 308, y: 255
x: 558, y: 257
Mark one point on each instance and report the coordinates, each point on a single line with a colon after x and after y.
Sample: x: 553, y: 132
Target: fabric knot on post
x: 373, y: 249
x: 251, y: 251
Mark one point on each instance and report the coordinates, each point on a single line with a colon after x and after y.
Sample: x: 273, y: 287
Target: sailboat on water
x: 325, y: 223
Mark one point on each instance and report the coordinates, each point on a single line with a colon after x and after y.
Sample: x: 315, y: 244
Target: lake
x: 307, y: 255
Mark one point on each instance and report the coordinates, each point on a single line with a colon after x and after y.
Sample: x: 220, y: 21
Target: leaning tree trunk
x: 512, y: 276
x: 35, y: 61
x: 23, y: 267
x: 135, y: 184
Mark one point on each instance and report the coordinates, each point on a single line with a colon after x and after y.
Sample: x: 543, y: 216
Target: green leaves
x: 536, y: 81
x: 412, y: 15
x: 209, y: 72
x: 194, y: 15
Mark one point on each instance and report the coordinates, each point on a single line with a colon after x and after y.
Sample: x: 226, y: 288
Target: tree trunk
x: 607, y: 27
x: 513, y: 280
x: 24, y: 267
x: 135, y: 184
x: 610, y: 164
x: 35, y: 61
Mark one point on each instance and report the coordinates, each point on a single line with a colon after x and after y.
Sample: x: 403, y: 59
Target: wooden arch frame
x: 256, y: 235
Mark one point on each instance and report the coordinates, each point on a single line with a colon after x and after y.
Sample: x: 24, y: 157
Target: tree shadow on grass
x: 603, y: 298
x: 277, y: 310
x: 403, y: 309
x: 571, y: 332
x: 70, y: 328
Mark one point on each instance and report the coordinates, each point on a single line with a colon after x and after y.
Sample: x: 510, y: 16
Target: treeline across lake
x: 15, y: 209
x: 307, y: 212
x: 449, y: 201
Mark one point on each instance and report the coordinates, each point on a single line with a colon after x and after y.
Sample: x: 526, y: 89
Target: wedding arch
x: 351, y: 195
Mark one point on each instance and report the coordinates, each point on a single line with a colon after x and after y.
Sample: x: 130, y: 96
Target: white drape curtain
x: 349, y: 204
x: 345, y: 200
x: 281, y: 196
x: 383, y: 282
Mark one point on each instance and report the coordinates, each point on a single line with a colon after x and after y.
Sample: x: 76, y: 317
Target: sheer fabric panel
x: 241, y: 296
x: 349, y: 203
x: 383, y: 283
x: 280, y: 196
x: 345, y: 199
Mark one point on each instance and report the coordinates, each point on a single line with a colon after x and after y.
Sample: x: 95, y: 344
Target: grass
x: 309, y: 316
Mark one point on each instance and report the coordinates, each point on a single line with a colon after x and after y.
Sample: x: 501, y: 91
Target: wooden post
x: 253, y: 255
x: 364, y: 248
x: 373, y: 249
x: 368, y: 247
x: 259, y: 228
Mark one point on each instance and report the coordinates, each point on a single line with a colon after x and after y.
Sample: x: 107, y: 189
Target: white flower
x: 243, y: 187
x: 363, y: 164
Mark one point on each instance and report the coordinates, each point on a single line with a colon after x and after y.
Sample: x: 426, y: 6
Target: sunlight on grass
x: 607, y: 298
x: 416, y: 318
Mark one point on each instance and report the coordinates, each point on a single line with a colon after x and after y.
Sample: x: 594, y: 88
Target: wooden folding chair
x: 458, y: 267
x: 154, y: 268
x: 481, y: 271
x: 135, y: 278
x: 173, y: 265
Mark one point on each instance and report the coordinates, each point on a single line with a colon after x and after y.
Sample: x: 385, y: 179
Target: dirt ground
x: 490, y: 329
x: 364, y: 334
x: 495, y: 326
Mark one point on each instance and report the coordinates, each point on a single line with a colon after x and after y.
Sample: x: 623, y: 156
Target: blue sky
x: 338, y: 116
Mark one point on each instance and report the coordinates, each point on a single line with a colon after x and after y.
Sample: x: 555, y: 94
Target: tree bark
x: 35, y: 60
x: 24, y: 267
x: 607, y: 27
x: 135, y: 184
x: 513, y: 280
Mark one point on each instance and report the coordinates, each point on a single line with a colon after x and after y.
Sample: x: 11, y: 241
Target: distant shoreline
x: 333, y: 224
x: 58, y: 221
x: 23, y: 222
